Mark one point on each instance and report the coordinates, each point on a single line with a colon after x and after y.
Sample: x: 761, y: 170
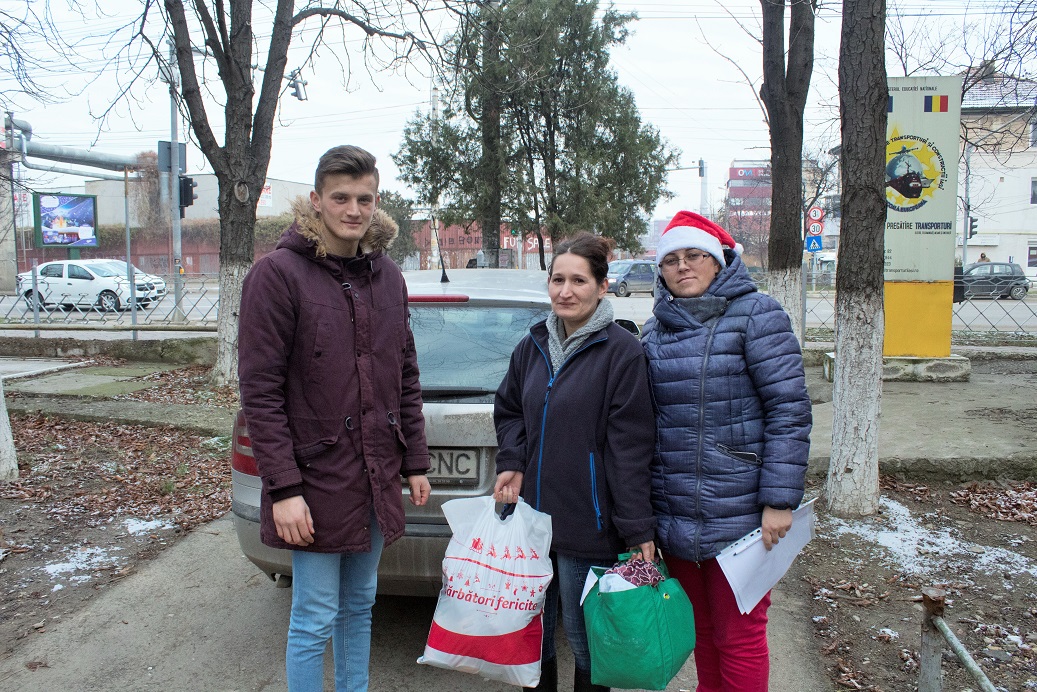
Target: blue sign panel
x: 813, y: 243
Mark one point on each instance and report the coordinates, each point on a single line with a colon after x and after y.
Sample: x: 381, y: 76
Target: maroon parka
x: 329, y: 384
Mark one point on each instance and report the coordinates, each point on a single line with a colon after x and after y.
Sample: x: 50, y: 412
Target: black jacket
x: 584, y: 439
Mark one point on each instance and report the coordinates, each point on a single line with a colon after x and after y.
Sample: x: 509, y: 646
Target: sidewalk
x: 986, y: 427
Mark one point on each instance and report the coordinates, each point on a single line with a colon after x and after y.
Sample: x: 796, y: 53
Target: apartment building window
x: 1033, y: 190
x: 1031, y: 254
x: 1033, y: 133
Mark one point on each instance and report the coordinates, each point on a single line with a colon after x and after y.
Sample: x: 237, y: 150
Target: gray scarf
x: 560, y: 347
x: 704, y: 308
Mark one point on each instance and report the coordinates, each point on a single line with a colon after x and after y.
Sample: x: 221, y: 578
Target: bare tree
x: 784, y: 93
x: 232, y: 113
x: 20, y: 23
x: 996, y: 57
x: 853, y: 476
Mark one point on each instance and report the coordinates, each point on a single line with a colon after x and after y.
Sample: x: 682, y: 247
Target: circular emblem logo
x: 915, y: 170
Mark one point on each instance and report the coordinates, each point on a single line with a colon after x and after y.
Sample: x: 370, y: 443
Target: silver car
x: 464, y: 332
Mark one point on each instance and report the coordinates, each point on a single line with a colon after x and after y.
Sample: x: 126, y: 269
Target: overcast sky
x: 698, y: 100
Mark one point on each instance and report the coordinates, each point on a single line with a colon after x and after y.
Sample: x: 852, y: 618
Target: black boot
x: 582, y: 682
x: 548, y: 676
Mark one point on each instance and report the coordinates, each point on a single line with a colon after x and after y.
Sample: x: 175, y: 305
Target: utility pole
x: 966, y: 227
x: 704, y: 190
x: 174, y: 187
x: 437, y: 251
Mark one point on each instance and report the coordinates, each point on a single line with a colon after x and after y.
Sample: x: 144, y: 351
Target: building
x: 998, y: 181
x: 747, y: 208
x: 274, y: 201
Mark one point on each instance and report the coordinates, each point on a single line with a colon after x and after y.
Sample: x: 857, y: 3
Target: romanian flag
x: 935, y: 104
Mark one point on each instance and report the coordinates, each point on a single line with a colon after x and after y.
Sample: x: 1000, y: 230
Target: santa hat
x: 690, y: 231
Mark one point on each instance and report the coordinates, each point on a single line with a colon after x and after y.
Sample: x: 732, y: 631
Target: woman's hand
x: 508, y: 487
x: 645, y: 550
x: 776, y: 523
x: 420, y: 489
x: 293, y: 521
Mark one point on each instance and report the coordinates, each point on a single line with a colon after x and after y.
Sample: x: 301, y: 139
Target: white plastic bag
x: 489, y: 619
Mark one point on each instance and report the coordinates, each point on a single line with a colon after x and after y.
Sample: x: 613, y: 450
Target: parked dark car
x: 993, y: 280
x: 631, y: 276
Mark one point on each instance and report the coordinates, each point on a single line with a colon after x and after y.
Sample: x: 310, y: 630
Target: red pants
x: 731, y: 652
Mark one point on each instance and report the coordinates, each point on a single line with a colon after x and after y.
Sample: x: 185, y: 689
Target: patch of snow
x: 82, y: 560
x: 892, y: 634
x: 58, y: 587
x: 138, y: 526
x: 918, y: 550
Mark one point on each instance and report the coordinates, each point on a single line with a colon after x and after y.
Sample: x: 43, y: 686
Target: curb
x: 207, y: 421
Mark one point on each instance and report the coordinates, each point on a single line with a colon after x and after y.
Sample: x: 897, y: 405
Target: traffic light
x: 298, y: 85
x: 973, y: 222
x: 187, y: 193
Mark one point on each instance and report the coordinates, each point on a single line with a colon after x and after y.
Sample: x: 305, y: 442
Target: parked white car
x: 95, y: 284
x: 154, y: 280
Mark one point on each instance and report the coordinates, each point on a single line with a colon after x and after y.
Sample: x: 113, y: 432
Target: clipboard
x: 752, y: 570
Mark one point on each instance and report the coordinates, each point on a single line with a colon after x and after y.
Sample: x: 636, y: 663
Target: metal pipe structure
x: 933, y: 625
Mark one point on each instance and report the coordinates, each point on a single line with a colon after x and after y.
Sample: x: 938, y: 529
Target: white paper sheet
x: 752, y: 570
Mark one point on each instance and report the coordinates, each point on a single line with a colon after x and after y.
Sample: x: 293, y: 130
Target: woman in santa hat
x: 734, y: 422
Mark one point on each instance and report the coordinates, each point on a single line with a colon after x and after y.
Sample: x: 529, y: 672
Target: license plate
x: 454, y: 466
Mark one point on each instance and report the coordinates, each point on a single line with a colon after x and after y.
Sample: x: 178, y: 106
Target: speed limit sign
x: 815, y: 228
x: 815, y: 214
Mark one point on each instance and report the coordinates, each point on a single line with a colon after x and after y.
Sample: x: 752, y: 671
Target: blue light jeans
x: 567, y: 586
x: 332, y: 597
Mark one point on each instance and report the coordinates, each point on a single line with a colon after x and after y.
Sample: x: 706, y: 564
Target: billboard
x: 922, y: 148
x: 65, y: 219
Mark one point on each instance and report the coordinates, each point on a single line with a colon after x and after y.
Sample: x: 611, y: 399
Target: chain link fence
x: 191, y: 303
x: 977, y: 314
x: 1003, y: 309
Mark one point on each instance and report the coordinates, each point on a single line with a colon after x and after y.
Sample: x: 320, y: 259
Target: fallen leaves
x: 88, y: 471
x: 1003, y: 501
x: 188, y: 385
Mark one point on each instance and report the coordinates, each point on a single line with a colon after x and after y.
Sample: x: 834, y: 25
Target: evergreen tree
x: 575, y: 153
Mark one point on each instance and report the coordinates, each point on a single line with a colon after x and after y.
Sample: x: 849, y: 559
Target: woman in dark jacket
x: 734, y: 424
x: 576, y: 432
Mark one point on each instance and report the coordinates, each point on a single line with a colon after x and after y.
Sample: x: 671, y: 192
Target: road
x: 200, y: 617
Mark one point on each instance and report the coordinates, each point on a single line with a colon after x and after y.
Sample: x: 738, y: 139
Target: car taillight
x: 241, y: 458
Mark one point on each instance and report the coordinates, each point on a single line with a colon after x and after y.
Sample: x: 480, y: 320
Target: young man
x: 329, y: 386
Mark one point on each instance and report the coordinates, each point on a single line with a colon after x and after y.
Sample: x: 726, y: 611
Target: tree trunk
x: 490, y: 122
x: 8, y: 455
x: 784, y: 93
x: 789, y: 284
x: 853, y: 475
x: 237, y: 240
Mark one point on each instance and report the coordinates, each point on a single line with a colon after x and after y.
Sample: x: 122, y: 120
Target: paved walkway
x: 981, y: 428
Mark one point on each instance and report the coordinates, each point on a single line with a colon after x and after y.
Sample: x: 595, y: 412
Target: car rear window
x: 464, y: 350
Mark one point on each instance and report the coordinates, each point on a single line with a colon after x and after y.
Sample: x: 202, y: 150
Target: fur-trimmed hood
x: 308, y: 224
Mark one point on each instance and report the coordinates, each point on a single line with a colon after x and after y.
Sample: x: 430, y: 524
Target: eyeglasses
x: 692, y: 259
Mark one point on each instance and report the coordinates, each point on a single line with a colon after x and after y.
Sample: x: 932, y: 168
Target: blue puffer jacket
x: 733, y: 413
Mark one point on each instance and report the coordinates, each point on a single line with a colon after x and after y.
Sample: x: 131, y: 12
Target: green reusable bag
x: 639, y: 638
